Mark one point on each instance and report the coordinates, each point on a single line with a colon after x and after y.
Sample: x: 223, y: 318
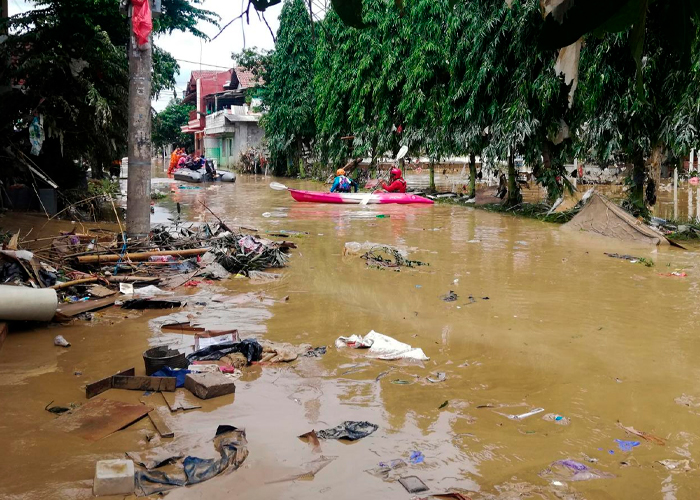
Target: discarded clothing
x: 250, y: 348
x: 232, y: 446
x: 571, y: 470
x: 275, y: 352
x: 416, y: 457
x: 382, y: 347
x: 349, y: 430
x: 179, y: 375
x: 155, y: 457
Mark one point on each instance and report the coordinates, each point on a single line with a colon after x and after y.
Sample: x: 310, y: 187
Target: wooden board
x: 182, y: 327
x: 180, y: 400
x: 159, y: 423
x: 140, y: 383
x: 68, y: 311
x: 3, y: 333
x: 98, y: 418
x: 92, y: 390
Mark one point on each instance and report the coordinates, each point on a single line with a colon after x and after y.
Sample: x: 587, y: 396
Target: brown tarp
x: 603, y: 217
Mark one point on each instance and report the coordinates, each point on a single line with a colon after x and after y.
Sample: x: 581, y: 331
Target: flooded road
x: 552, y: 323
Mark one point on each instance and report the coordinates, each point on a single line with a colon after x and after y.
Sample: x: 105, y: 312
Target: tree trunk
x: 547, y: 166
x: 636, y: 192
x: 432, y: 177
x: 514, y: 197
x: 654, y: 173
x: 472, y: 175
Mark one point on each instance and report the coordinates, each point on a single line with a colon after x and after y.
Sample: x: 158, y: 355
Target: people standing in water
x: 174, y: 158
x: 342, y: 183
x: 397, y: 184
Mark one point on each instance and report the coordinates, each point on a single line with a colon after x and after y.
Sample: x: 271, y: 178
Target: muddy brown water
x: 594, y: 339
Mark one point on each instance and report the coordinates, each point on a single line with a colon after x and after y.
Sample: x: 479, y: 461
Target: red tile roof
x: 246, y: 78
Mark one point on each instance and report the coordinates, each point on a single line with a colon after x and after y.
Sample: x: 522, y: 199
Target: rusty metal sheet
x: 98, y: 418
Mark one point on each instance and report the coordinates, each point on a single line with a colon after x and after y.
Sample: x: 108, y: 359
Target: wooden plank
x: 3, y: 333
x: 92, y: 390
x: 140, y: 383
x: 68, y: 311
x: 98, y: 418
x: 159, y: 424
x: 180, y: 400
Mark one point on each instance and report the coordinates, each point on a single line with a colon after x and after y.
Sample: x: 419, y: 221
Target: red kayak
x: 356, y: 198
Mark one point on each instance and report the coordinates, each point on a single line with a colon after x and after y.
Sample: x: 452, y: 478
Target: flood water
x: 552, y: 323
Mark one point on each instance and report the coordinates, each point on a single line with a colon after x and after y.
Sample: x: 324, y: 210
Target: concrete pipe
x: 21, y: 303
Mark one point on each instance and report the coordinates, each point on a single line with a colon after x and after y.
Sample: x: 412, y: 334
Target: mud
x: 565, y: 328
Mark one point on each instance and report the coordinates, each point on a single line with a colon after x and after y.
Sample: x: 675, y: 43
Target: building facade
x: 223, y: 124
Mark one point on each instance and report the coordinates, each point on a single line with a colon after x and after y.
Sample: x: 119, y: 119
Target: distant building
x: 223, y: 124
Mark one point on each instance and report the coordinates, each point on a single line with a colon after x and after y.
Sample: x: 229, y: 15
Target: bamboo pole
x: 81, y: 281
x: 97, y: 259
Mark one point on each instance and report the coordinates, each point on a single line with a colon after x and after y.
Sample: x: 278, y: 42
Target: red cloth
x: 398, y: 186
x: 142, y: 22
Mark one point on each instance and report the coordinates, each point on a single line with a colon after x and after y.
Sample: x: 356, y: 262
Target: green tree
x: 68, y: 63
x: 167, y: 123
x: 621, y: 123
x: 288, y: 95
x: 426, y: 68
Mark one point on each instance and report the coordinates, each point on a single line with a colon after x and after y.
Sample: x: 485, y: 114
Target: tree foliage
x: 167, y: 123
x: 288, y: 94
x: 477, y: 78
x: 68, y: 62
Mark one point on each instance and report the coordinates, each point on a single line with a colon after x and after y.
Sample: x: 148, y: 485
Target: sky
x: 215, y: 54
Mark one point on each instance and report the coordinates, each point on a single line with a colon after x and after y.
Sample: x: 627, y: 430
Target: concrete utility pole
x: 138, y: 210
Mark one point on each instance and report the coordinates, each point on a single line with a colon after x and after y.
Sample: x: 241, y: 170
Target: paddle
x: 278, y: 186
x: 402, y: 152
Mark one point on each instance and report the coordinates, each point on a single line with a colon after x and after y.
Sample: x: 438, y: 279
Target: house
x: 223, y: 124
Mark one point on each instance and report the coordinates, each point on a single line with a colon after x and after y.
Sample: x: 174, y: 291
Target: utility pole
x: 138, y: 210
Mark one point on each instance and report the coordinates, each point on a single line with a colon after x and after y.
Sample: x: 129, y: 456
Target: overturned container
x: 159, y: 357
x: 21, y: 303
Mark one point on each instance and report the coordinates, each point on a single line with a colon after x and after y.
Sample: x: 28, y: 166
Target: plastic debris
x: 525, y: 415
x: 60, y: 341
x: 571, y: 470
x: 413, y: 484
x: 644, y: 435
x: 382, y: 347
x: 626, y: 445
x: 449, y: 297
x: 439, y: 377
x: 676, y: 465
x: 557, y: 419
x: 416, y: 457
x: 349, y: 430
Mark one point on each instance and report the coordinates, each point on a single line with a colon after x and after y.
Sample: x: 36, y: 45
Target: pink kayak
x: 356, y: 198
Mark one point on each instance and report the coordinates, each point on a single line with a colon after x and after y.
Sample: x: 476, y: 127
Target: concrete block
x: 114, y: 477
x: 209, y: 385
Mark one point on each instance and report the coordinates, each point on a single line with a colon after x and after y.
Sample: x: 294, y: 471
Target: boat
x: 204, y: 174
x: 356, y: 198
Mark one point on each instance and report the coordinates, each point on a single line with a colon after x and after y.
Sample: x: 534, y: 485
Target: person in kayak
x: 342, y: 183
x: 397, y: 184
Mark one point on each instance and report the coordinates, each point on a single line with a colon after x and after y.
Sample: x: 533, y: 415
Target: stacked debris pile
x: 89, y: 269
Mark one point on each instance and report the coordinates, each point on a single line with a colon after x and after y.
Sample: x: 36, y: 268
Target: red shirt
x: 398, y: 186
